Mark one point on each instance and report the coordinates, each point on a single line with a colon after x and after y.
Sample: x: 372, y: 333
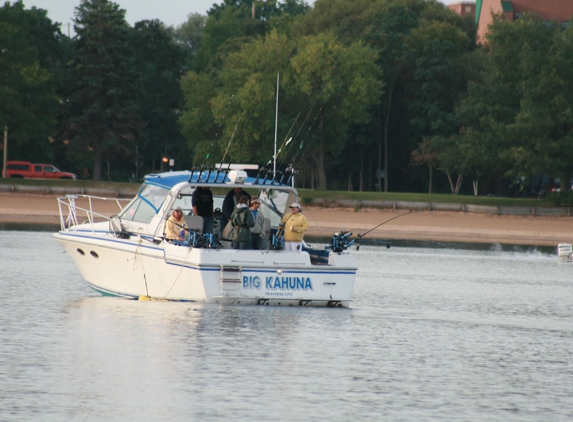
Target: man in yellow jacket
x: 294, y: 225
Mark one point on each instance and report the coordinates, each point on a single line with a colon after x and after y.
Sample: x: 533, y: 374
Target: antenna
x: 276, y: 126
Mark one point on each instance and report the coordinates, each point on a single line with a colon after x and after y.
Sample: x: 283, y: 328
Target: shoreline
x: 446, y: 226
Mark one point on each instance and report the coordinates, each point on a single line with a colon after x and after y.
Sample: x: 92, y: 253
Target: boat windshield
x: 146, y: 204
x: 278, y: 199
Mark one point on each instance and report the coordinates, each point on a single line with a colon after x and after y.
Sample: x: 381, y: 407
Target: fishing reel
x: 278, y: 240
x: 340, y: 241
x: 206, y: 240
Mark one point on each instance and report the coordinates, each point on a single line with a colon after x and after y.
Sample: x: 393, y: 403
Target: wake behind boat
x: 127, y: 255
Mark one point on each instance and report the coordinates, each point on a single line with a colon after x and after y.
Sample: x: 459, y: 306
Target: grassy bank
x: 307, y: 195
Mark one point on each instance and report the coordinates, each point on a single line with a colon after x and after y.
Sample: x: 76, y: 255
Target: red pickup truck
x: 26, y: 170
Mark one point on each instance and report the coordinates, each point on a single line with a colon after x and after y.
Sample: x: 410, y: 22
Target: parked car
x: 26, y: 170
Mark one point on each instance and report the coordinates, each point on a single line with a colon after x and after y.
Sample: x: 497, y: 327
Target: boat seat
x: 195, y: 223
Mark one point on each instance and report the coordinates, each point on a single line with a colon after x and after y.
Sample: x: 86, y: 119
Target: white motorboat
x: 565, y: 252
x: 127, y: 255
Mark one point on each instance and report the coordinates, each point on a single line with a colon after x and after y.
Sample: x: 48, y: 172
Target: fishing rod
x: 290, y: 166
x: 309, y: 130
x: 287, y: 140
x: 288, y: 133
x: 230, y: 141
x: 204, y: 162
x: 304, y: 147
x: 327, y: 116
x: 287, y: 152
x: 285, y: 143
x: 208, y: 152
x: 299, y: 130
x: 360, y: 236
x: 263, y: 168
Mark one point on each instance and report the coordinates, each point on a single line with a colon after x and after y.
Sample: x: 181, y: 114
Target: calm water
x: 433, y: 334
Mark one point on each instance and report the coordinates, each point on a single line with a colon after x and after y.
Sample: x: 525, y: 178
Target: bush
x: 561, y: 199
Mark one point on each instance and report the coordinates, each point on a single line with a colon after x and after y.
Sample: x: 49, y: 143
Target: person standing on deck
x: 258, y: 230
x: 229, y: 204
x: 202, y: 200
x: 242, y: 221
x: 294, y: 225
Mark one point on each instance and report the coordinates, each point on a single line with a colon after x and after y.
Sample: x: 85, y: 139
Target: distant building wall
x: 463, y: 8
x: 550, y: 10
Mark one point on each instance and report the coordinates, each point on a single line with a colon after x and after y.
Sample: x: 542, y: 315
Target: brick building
x: 463, y: 7
x: 550, y: 10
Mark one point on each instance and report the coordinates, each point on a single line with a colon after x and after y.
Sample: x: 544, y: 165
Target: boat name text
x: 278, y: 283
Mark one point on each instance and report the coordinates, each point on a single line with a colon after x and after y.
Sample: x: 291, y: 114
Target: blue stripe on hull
x: 105, y: 292
x: 110, y: 293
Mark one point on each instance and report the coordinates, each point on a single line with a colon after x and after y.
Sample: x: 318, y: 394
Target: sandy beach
x: 416, y: 225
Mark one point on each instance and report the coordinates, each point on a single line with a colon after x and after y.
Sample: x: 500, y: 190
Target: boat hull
x: 137, y: 268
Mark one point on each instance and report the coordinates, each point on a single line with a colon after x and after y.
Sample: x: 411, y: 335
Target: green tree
x: 233, y: 23
x: 28, y: 102
x: 236, y: 111
x: 438, y: 85
x: 197, y: 123
x: 389, y: 34
x: 190, y: 34
x: 401, y: 32
x: 497, y: 109
x: 250, y: 77
x: 100, y: 110
x: 160, y: 63
x: 345, y: 79
x: 541, y: 135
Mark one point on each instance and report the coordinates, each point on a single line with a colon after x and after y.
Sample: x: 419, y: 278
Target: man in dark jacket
x: 202, y: 201
x: 229, y: 204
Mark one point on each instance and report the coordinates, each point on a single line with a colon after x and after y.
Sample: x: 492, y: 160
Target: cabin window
x: 153, y: 195
x: 139, y: 210
x: 271, y: 214
x: 145, y: 206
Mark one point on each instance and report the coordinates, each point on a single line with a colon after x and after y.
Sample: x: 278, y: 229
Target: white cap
x: 295, y: 205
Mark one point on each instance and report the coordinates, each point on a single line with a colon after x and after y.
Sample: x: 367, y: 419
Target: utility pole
x: 5, y: 151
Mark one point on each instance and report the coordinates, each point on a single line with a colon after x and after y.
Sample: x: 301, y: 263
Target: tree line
x: 380, y: 95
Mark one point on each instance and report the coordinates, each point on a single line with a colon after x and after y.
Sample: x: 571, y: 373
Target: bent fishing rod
x: 360, y: 236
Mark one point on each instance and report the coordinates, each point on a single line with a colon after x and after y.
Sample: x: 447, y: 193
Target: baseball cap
x: 178, y: 209
x: 295, y: 205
